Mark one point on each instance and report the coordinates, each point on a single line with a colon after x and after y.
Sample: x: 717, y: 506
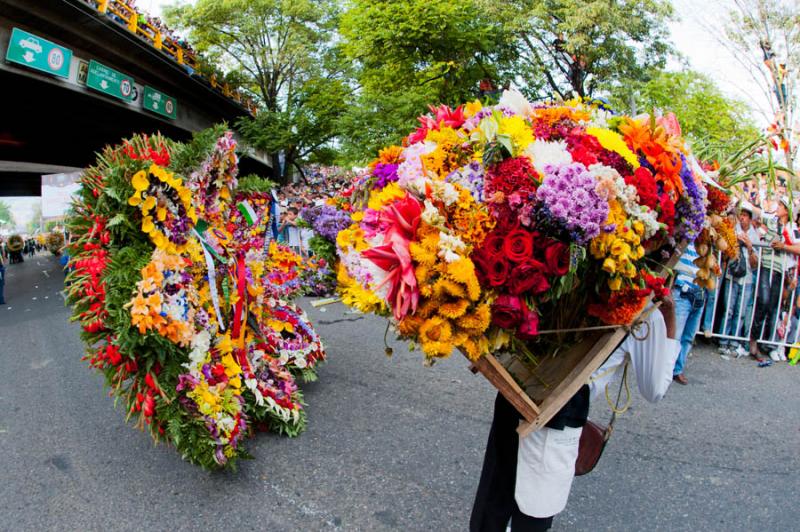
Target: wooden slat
x: 506, y: 385
x: 575, y: 379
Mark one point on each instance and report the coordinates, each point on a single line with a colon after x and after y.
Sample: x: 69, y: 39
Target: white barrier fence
x: 735, y: 306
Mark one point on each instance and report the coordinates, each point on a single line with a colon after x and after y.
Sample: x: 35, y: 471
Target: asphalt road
x: 391, y: 445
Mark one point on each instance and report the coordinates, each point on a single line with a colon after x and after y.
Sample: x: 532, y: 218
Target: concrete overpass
x: 59, y: 109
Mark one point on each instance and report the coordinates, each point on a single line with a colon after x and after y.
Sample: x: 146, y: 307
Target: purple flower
x: 567, y: 203
x: 384, y: 174
x: 690, y: 209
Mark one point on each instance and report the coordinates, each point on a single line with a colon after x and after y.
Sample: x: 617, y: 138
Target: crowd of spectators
x: 320, y: 184
x: 149, y: 28
x: 755, y: 309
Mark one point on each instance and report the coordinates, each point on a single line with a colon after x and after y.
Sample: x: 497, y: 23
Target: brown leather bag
x: 594, y: 437
x: 593, y: 440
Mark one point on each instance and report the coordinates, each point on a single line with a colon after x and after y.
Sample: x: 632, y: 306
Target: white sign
x: 57, y: 192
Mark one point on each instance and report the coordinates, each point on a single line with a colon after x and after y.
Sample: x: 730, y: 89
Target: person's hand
x: 778, y: 245
x: 744, y: 239
x: 667, y: 310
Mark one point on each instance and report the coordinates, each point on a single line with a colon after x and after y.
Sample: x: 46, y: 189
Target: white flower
x: 450, y: 246
x: 447, y: 193
x: 431, y: 215
x: 514, y: 100
x: 543, y: 153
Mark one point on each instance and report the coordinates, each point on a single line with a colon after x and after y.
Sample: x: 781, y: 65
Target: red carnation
x: 507, y: 311
x: 516, y: 174
x: 645, y: 185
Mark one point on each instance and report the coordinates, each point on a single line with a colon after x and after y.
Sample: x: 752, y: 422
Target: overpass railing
x: 127, y: 16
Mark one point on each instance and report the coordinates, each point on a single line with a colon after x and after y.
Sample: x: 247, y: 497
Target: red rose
x: 518, y: 245
x: 497, y: 272
x: 493, y: 246
x: 556, y: 257
x: 529, y: 328
x: 528, y: 277
x: 507, y: 311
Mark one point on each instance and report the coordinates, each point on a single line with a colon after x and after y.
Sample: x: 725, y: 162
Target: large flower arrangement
x: 55, y: 242
x: 326, y: 221
x: 15, y: 243
x: 174, y: 290
x: 491, y: 225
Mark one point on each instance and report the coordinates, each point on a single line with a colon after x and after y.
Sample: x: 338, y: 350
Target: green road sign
x: 35, y: 52
x: 158, y: 102
x: 108, y: 81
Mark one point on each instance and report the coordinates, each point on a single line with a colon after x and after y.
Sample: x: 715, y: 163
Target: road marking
x: 47, y: 297
x: 46, y: 274
x: 41, y: 365
x: 33, y: 298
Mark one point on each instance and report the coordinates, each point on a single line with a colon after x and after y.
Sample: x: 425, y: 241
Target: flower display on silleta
x: 184, y: 303
x: 491, y: 224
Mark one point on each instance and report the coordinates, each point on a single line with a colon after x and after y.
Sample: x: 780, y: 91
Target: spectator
x: 740, y: 288
x: 689, y: 301
x: 779, y: 233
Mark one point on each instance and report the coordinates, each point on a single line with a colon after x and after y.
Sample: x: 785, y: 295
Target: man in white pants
x: 527, y: 481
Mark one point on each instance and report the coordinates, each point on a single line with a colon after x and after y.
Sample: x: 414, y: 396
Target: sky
x: 693, y: 34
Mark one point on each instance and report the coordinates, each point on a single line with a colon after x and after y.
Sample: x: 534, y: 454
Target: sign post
x: 159, y: 103
x: 109, y: 81
x: 37, y: 53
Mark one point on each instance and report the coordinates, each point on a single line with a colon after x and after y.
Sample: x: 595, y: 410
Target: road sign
x: 108, y: 81
x: 35, y: 52
x: 158, y: 102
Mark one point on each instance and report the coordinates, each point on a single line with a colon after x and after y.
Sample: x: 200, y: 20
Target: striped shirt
x: 685, y: 269
x: 778, y: 261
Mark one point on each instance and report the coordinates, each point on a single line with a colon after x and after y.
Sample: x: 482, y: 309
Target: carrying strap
x: 615, y: 408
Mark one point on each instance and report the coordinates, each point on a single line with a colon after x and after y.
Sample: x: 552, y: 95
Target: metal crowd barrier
x: 738, y: 316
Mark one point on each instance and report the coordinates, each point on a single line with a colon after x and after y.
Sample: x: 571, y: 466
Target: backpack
x: 738, y: 268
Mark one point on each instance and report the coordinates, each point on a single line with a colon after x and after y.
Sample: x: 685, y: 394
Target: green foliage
x: 579, y: 46
x: 324, y: 248
x: 282, y: 51
x: 251, y: 184
x: 706, y: 115
x: 412, y: 53
x: 6, y: 218
x: 187, y: 156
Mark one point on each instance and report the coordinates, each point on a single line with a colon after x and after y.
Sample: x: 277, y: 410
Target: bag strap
x: 615, y: 409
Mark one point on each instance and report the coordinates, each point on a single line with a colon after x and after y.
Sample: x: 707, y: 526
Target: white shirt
x: 546, y: 458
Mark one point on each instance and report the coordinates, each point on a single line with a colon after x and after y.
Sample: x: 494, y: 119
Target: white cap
x: 545, y: 469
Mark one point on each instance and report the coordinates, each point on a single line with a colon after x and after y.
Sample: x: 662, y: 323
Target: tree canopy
x: 283, y: 51
x: 6, y: 218
x: 580, y: 46
x: 707, y: 116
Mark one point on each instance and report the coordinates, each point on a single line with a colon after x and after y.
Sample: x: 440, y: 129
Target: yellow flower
x: 613, y: 141
x: 472, y: 108
x: 380, y: 198
x: 609, y: 265
x: 148, y: 204
x: 224, y: 344
x: 518, y: 129
x: 454, y: 309
x: 140, y: 181
x: 615, y: 283
x: 147, y: 225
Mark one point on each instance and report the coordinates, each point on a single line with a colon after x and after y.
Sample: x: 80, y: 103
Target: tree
x: 35, y: 223
x: 283, y: 51
x: 764, y: 36
x: 580, y: 46
x: 413, y: 53
x: 6, y: 218
x: 706, y: 115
